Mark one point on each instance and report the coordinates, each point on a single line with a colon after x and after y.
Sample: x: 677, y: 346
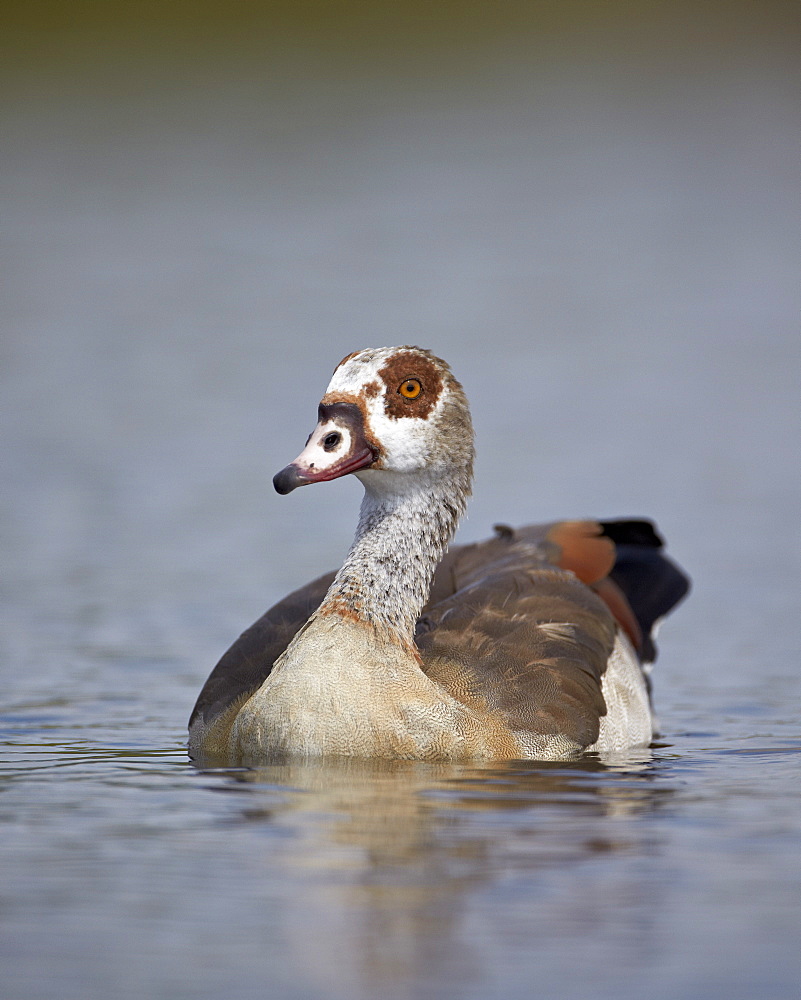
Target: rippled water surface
x: 592, y: 211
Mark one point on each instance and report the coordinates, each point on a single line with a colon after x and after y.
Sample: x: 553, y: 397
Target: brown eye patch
x: 414, y: 383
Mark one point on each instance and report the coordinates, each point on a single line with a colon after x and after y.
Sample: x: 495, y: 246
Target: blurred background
x: 592, y: 210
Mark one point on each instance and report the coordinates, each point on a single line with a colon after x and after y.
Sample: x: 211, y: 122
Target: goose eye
x: 410, y: 388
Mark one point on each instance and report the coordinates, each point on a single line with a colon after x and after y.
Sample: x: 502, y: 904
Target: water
x: 595, y: 219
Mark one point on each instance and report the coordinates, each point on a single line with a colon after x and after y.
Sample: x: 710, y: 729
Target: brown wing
x: 520, y: 637
x: 506, y: 627
x: 623, y: 562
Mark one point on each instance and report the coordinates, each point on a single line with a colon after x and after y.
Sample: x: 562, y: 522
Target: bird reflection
x: 385, y: 858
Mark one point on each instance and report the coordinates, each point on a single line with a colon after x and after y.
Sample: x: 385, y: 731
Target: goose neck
x: 401, y: 537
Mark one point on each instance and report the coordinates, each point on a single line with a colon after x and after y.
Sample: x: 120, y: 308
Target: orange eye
x: 410, y: 389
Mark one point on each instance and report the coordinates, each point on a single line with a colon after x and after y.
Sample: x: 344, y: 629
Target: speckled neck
x: 386, y: 577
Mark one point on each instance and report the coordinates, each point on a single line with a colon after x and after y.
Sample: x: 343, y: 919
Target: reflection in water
x: 388, y: 856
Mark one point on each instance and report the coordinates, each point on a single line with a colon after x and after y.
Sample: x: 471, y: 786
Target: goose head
x: 393, y: 416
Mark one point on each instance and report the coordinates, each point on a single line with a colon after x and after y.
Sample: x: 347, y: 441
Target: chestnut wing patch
x: 530, y: 644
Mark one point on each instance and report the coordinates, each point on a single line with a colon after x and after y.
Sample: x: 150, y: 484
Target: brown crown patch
x: 400, y: 368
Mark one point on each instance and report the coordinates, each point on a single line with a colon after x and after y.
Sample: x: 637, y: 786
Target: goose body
x: 528, y: 645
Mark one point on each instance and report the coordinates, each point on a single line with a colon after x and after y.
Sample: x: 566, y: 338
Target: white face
x: 386, y: 410
x: 330, y: 444
x: 404, y: 428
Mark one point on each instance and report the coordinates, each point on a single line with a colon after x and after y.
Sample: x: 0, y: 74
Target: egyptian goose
x: 528, y: 645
